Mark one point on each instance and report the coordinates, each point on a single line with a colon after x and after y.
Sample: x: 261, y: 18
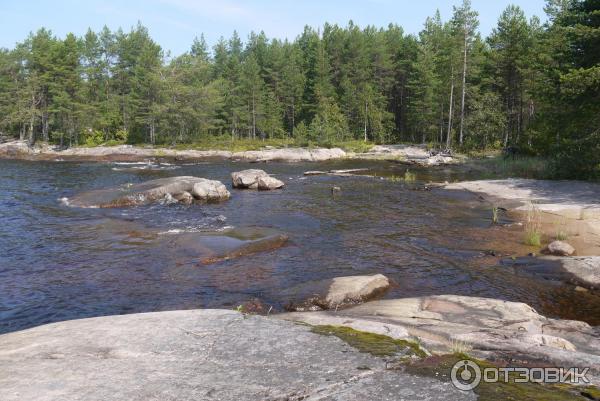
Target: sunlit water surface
x: 59, y: 262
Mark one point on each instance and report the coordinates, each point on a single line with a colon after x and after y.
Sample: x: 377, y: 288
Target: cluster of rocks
x: 413, y: 154
x: 22, y: 150
x: 482, y: 327
x: 255, y: 179
x: 181, y: 189
x: 410, y: 154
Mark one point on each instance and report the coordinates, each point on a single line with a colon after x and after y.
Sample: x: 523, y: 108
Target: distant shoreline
x: 412, y: 154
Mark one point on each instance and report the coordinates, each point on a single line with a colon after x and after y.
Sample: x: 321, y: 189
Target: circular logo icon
x: 465, y: 375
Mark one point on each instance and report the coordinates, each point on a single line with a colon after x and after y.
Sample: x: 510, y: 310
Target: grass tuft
x: 494, y: 214
x: 533, y: 226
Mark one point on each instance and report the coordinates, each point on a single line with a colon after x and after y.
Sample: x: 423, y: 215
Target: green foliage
x: 121, y: 136
x: 493, y: 165
x: 494, y: 214
x: 92, y: 137
x: 561, y: 233
x: 531, y: 86
x: 533, y: 235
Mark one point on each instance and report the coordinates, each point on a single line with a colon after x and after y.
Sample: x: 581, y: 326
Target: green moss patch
x: 375, y: 344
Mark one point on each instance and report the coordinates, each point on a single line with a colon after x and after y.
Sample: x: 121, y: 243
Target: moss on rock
x: 375, y: 344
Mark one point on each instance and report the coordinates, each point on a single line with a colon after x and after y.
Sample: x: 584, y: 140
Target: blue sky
x: 174, y: 23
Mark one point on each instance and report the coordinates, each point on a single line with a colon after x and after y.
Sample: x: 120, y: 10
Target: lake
x: 59, y: 262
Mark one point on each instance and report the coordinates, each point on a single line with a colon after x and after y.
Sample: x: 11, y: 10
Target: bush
x: 92, y: 137
x: 121, y: 136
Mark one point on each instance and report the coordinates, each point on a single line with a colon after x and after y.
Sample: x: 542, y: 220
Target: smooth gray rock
x: 478, y: 325
x: 162, y: 189
x: 559, y: 248
x: 255, y: 179
x: 197, y: 355
x: 336, y: 292
x: 247, y: 178
x: 210, y: 191
x: 269, y: 183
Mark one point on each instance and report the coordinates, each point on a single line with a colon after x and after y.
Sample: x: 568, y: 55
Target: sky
x: 174, y: 23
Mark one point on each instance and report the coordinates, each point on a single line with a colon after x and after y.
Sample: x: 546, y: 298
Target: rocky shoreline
x: 410, y: 154
x: 366, y: 352
x: 566, y: 209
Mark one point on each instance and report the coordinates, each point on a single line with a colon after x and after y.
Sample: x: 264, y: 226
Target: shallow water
x: 59, y: 262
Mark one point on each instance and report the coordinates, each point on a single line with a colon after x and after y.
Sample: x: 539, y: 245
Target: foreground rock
x: 479, y: 326
x: 559, y: 248
x: 583, y: 271
x: 337, y: 292
x: 170, y: 189
x: 197, y: 355
x: 254, y: 179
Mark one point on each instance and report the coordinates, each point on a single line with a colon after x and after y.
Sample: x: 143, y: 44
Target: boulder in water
x: 250, y: 179
x: 162, y: 189
x: 268, y: 183
x: 338, y: 292
x: 210, y: 191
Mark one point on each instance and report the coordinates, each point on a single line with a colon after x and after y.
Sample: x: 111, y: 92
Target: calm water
x: 58, y: 262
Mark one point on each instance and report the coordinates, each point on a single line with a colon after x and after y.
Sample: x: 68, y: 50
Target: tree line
x: 529, y: 85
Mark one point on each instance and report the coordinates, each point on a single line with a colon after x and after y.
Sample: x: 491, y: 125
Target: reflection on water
x: 59, y: 262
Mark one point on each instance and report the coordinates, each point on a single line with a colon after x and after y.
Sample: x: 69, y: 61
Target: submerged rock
x: 255, y: 179
x: 212, y: 247
x: 315, y: 172
x: 583, y: 271
x: 337, y: 292
x: 481, y: 326
x: 559, y: 248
